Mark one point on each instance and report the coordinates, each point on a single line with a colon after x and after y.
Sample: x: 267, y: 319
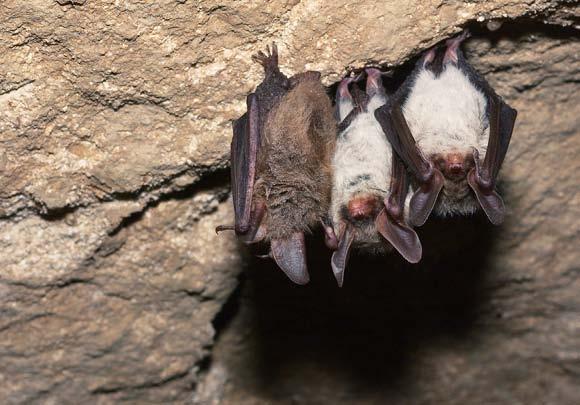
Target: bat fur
x: 294, y: 159
x: 361, y: 166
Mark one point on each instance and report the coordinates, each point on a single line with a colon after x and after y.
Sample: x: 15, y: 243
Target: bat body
x: 281, y: 164
x: 362, y: 174
x: 442, y: 119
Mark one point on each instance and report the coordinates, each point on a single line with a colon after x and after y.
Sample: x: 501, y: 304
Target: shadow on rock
x: 368, y: 330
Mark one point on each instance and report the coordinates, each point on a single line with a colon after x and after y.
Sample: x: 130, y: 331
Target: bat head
x: 454, y: 166
x: 456, y: 196
x: 362, y: 208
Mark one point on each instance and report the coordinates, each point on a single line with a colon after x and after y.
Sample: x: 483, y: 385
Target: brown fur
x: 294, y: 164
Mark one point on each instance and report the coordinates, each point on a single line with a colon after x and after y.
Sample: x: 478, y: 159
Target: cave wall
x: 114, y: 137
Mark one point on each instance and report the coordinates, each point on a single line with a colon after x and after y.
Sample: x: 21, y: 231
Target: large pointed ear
x: 403, y: 238
x: 489, y: 200
x: 391, y: 220
x: 430, y: 179
x: 424, y: 199
x: 290, y: 255
x: 340, y: 257
x: 482, y: 179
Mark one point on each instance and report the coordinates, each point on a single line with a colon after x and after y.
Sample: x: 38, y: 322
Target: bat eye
x: 439, y: 163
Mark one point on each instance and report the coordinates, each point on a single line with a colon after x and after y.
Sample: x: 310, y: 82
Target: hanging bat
x: 442, y: 119
x: 364, y: 214
x: 280, y: 164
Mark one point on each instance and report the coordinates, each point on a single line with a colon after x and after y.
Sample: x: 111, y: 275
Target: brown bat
x: 280, y: 164
x: 439, y: 122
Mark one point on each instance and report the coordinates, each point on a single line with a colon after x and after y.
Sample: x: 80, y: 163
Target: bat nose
x: 362, y: 207
x: 455, y: 168
x: 455, y: 164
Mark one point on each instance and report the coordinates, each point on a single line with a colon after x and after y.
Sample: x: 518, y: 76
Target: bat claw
x: 453, y: 46
x: 374, y: 82
x: 221, y: 228
x: 268, y: 60
x: 344, y: 99
x: 344, y: 83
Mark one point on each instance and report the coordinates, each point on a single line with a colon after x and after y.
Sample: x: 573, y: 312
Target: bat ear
x: 340, y: 256
x: 424, y: 199
x: 290, y: 256
x: 488, y: 198
x: 402, y: 237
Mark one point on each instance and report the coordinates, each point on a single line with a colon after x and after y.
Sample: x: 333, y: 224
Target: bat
x: 440, y: 121
x: 280, y: 164
x: 363, y: 212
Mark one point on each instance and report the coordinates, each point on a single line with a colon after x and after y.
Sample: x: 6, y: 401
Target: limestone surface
x: 115, y: 123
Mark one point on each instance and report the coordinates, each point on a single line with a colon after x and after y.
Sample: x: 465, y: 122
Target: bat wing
x: 244, y: 156
x: 391, y: 220
x: 397, y: 131
x: 345, y: 123
x: 502, y: 120
x: 483, y: 178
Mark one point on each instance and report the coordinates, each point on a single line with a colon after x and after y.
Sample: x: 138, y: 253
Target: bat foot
x: 453, y: 46
x: 429, y: 56
x: 374, y: 82
x: 269, y: 59
x: 343, y: 91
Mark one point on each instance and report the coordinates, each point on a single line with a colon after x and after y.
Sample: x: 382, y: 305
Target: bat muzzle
x: 363, y: 207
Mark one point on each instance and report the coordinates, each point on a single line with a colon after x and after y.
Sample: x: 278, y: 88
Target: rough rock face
x: 114, y: 137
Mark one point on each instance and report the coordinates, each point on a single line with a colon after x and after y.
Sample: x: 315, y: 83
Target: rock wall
x: 114, y: 136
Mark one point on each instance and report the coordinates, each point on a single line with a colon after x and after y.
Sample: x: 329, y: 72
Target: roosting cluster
x: 372, y: 168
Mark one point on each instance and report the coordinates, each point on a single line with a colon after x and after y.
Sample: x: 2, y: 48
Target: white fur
x: 361, y: 149
x: 446, y: 113
x: 345, y: 106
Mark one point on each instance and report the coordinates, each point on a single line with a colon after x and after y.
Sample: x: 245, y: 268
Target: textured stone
x: 114, y: 137
x: 490, y: 316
